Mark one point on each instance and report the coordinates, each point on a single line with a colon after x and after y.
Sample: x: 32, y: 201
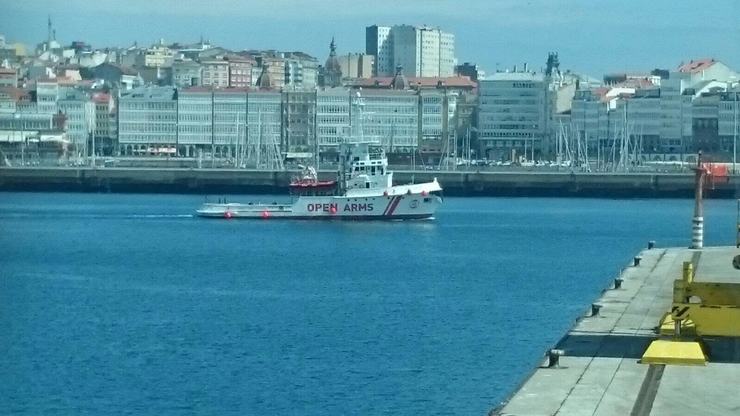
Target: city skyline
x: 622, y: 37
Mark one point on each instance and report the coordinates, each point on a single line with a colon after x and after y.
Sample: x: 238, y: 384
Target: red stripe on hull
x: 390, y: 202
x: 339, y: 217
x: 393, y: 207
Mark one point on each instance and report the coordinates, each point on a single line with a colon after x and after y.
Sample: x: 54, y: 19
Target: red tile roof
x: 17, y: 94
x: 209, y: 89
x: 426, y: 82
x: 101, y: 97
x: 696, y: 66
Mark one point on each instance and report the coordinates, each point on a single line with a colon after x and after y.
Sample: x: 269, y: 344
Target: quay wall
x: 455, y: 183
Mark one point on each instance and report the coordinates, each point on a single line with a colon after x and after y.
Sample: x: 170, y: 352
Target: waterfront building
x: 105, y: 123
x: 215, y: 73
x: 264, y: 119
x: 79, y: 111
x: 405, y: 122
x: 299, y: 121
x: 332, y: 117
x: 422, y: 51
x: 147, y: 121
x: 512, y: 113
x: 186, y: 73
x: 229, y: 123
x: 194, y: 120
x: 678, y: 113
x: 728, y: 120
x: 27, y: 138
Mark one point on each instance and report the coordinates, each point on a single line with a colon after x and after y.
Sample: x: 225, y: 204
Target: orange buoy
x: 227, y: 215
x: 265, y: 214
x: 333, y: 209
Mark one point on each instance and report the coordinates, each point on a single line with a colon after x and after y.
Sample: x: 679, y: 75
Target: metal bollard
x: 651, y: 244
x: 637, y: 260
x: 595, y: 307
x: 553, y: 358
x: 618, y: 283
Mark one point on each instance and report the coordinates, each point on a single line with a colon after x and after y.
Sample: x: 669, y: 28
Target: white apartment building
x: 728, y: 119
x: 220, y: 121
x: 264, y: 119
x: 79, y: 110
x: 421, y: 51
x: 147, y: 120
x: 389, y: 116
x: 47, y: 94
x: 673, y: 117
x: 513, y: 113
x: 332, y: 117
x: 194, y: 120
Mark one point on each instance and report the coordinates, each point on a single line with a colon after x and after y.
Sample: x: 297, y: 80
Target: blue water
x: 126, y: 304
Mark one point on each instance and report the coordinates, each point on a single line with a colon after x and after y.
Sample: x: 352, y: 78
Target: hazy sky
x: 591, y: 36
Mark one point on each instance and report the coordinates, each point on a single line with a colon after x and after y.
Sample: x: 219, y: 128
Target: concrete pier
x: 599, y: 370
x: 462, y: 183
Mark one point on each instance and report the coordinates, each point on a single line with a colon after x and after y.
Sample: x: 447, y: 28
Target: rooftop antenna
x: 48, y: 31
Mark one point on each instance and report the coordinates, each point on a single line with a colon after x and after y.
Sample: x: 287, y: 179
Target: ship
x: 363, y: 190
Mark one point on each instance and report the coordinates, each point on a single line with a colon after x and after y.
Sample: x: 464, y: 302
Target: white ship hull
x: 363, y: 190
x: 382, y: 207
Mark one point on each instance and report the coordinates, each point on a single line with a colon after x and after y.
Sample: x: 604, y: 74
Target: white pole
x: 93, y: 145
x: 734, y: 136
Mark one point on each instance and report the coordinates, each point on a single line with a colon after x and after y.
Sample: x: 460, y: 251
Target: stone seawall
x: 211, y: 181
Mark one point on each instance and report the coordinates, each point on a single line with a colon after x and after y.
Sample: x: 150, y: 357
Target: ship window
x: 367, y: 185
x: 372, y: 170
x: 427, y: 199
x: 357, y: 169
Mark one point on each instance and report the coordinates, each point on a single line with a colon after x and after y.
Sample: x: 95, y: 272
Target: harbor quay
x: 624, y: 355
x: 455, y: 183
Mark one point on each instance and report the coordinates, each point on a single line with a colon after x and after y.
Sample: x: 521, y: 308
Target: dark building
x: 332, y: 71
x: 467, y: 70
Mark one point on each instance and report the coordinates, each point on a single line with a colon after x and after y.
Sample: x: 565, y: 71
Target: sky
x: 591, y: 37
